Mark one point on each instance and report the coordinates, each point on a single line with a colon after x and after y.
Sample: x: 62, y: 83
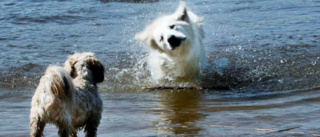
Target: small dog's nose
x: 175, y: 41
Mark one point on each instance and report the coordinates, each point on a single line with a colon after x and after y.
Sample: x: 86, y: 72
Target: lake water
x: 267, y: 51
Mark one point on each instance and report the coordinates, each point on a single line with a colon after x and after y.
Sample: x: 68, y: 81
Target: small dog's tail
x: 55, y: 86
x: 58, y: 82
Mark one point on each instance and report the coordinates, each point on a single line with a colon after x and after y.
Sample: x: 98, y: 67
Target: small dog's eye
x: 161, y: 38
x: 172, y: 26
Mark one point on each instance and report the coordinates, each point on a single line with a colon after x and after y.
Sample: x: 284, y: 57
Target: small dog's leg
x: 91, y: 131
x: 64, y: 129
x: 74, y: 133
x: 64, y: 125
x: 63, y: 132
x: 92, y: 126
x: 36, y: 126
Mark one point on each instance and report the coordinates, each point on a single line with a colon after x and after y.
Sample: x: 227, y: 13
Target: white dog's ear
x: 181, y: 13
x: 141, y: 35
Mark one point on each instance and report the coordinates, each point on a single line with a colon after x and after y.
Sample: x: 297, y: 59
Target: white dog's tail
x: 58, y: 82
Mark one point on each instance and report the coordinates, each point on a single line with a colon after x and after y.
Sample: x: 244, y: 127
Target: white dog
x: 176, y: 44
x: 68, y: 97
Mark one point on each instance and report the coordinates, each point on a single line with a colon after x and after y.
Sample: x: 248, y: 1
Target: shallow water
x: 268, y: 52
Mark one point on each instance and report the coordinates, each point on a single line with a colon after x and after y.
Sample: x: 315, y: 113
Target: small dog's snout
x: 175, y: 41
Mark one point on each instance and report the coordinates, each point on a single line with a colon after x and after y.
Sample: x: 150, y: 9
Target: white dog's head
x: 169, y: 34
x: 86, y: 66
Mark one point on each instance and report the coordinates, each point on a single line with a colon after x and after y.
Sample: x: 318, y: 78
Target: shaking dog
x: 176, y: 45
x: 68, y: 97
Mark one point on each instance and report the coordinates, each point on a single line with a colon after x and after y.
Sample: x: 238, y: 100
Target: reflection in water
x: 180, y: 112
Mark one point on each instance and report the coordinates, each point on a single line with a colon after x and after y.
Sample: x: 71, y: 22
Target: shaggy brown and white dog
x: 68, y: 97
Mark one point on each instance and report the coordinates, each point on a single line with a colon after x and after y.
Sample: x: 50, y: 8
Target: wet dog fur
x: 175, y: 43
x: 68, y: 97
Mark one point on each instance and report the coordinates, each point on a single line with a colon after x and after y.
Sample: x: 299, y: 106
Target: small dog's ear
x: 69, y: 67
x: 181, y: 13
x: 97, y: 69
